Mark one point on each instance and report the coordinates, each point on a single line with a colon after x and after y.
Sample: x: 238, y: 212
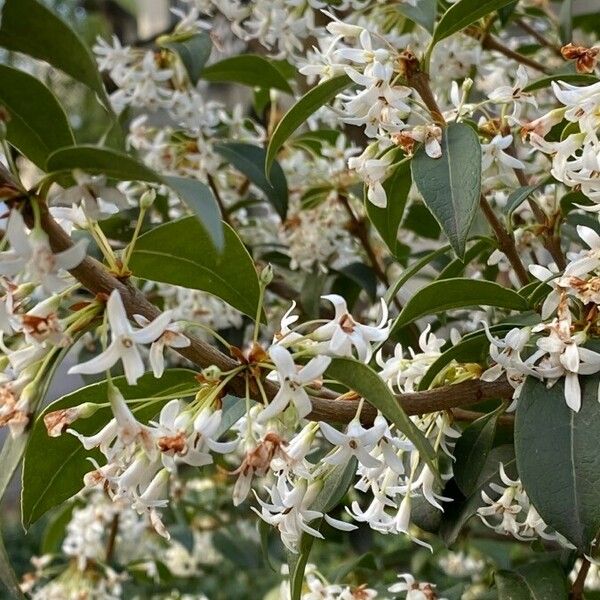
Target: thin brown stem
x: 489, y: 42
x: 579, y: 583
x: 359, y: 229
x: 550, y: 232
x: 215, y: 190
x: 506, y: 241
x: 112, y: 538
x: 534, y: 33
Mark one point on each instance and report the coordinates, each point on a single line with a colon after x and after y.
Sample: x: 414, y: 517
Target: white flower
x: 514, y: 93
x: 124, y: 340
x: 372, y: 171
x: 292, y: 382
x: 343, y: 333
x: 97, y: 200
x: 415, y: 590
x: 31, y: 254
x: 357, y: 441
x: 170, y: 338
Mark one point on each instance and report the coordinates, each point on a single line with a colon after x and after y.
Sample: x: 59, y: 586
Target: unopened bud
x: 266, y: 275
x: 467, y: 84
x: 147, y: 199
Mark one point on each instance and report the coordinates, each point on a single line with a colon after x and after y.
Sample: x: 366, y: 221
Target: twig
x: 112, y: 538
x: 506, y: 241
x: 489, y: 42
x: 579, y: 583
x: 215, y: 190
x: 534, y: 33
x: 549, y: 233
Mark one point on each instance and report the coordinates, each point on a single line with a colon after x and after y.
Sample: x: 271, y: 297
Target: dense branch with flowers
x: 355, y: 303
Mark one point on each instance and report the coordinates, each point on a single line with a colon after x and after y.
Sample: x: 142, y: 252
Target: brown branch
x: 579, y: 583
x: 534, y: 33
x: 506, y: 241
x: 549, y: 232
x: 489, y: 42
x: 96, y: 278
x: 112, y: 538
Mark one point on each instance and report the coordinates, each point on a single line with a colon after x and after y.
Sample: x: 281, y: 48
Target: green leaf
x: 423, y: 13
x: 447, y: 294
x: 540, y: 580
x: 363, y: 276
x: 94, y: 159
x: 517, y: 198
x: 55, y: 530
x: 37, y: 124
x: 124, y: 167
x: 299, y: 112
x: 411, y: 271
x: 471, y: 451
x: 451, y: 185
x: 565, y: 18
x: 558, y: 459
x: 250, y: 160
x: 7, y: 575
x: 387, y: 220
x: 200, y: 200
x: 64, y: 459
x: 193, y: 50
x: 248, y: 69
x: 460, y: 511
x: 362, y: 379
x: 29, y: 27
x: 456, y: 268
x: 572, y: 78
x: 462, y: 14
x: 181, y: 253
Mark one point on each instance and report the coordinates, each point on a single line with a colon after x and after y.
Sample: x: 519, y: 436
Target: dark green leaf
x: 387, y: 220
x: 55, y: 530
x: 464, y: 13
x: 250, y: 160
x: 94, y: 159
x: 363, y: 380
x: 572, y: 78
x: 64, y: 459
x: 448, y: 294
x: 423, y: 13
x: 458, y: 512
x: 540, y: 580
x: 124, y: 167
x: 200, y: 200
x: 411, y: 271
x: 565, y: 18
x: 517, y: 198
x: 29, y: 27
x: 37, y: 124
x: 456, y: 268
x: 7, y: 575
x: 363, y: 277
x: 471, y: 451
x: 300, y: 111
x: 557, y: 457
x: 248, y: 69
x: 181, y: 253
x: 193, y: 50
x: 451, y: 185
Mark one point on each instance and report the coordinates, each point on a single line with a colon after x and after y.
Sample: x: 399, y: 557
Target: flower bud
x: 266, y: 275
x: 147, y: 199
